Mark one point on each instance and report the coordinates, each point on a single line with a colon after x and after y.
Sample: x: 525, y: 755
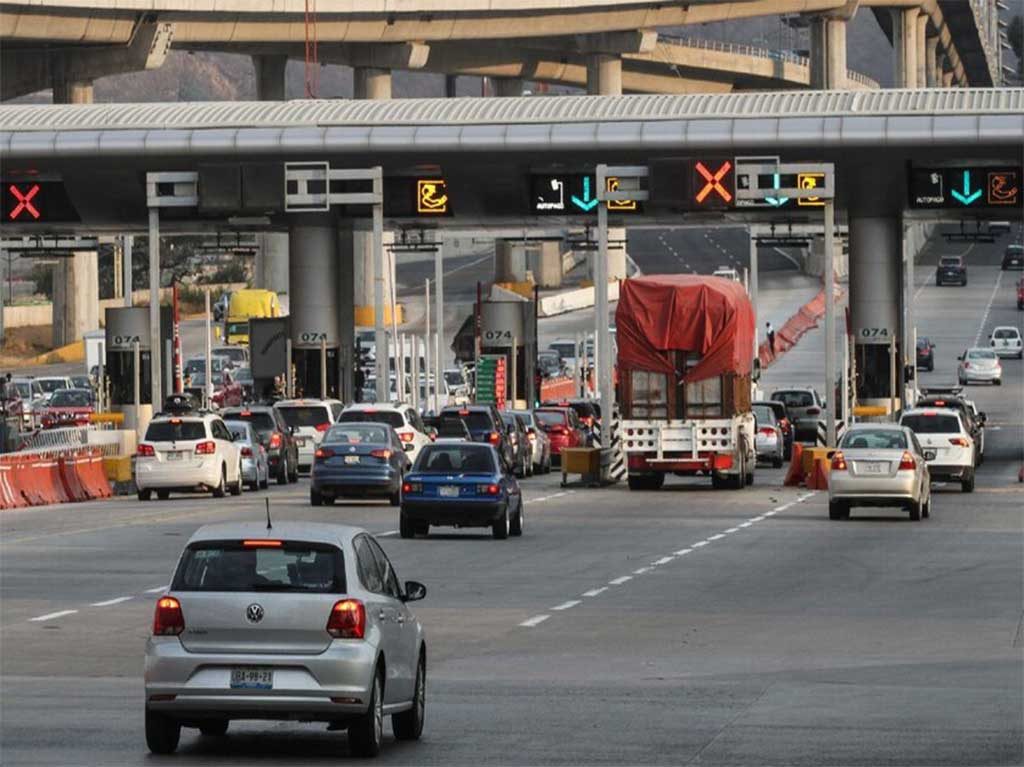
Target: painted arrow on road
x: 967, y: 196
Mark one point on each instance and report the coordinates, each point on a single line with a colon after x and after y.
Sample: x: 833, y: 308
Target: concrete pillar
x: 72, y: 91
x: 921, y: 50
x: 450, y: 82
x: 604, y: 74
x: 828, y: 53
x: 270, y: 80
x: 947, y: 79
x: 932, y: 73
x: 346, y: 316
x: 507, y: 87
x: 516, y: 261
x: 546, y: 264
x: 372, y: 83
x: 509, y: 261
x: 905, y: 45
x: 313, y: 275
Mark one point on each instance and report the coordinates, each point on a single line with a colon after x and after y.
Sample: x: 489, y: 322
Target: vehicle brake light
x: 966, y: 366
x: 907, y: 462
x: 168, y: 619
x: 206, y: 447
x: 381, y: 452
x: 813, y: 411
x: 494, y: 438
x: 406, y: 436
x: 262, y: 543
x: 175, y: 421
x: 488, y: 489
x: 412, y: 487
x: 768, y: 431
x: 959, y: 442
x: 247, y: 451
x: 322, y: 427
x: 838, y: 461
x: 145, y: 451
x: 275, y: 441
x: 246, y: 413
x: 940, y: 403
x: 324, y: 452
x: 347, y: 620
x: 463, y: 412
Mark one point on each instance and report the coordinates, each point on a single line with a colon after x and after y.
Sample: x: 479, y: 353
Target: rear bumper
x: 1006, y: 351
x: 151, y: 475
x: 981, y: 375
x: 640, y: 463
x: 250, y: 470
x: 383, y: 481
x: 949, y: 471
x: 872, y: 490
x: 458, y: 514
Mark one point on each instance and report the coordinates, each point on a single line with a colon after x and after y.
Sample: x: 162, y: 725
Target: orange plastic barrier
x: 70, y: 479
x: 30, y: 479
x: 795, y: 474
x: 557, y: 388
x: 9, y: 497
x: 93, y: 477
x: 817, y: 479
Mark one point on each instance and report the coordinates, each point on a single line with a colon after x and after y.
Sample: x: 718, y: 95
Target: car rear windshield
x: 931, y: 424
x: 261, y: 420
x: 765, y: 415
x: 239, y: 431
x: 52, y: 384
x: 875, y: 439
x: 551, y: 417
x: 280, y: 566
x: 354, y: 434
x: 475, y: 420
x: 453, y: 428
x: 794, y: 398
x: 71, y: 398
x: 980, y: 354
x: 175, y: 430
x: 305, y: 415
x: 467, y: 459
x: 373, y: 416
x: 949, y: 261
x: 1006, y: 333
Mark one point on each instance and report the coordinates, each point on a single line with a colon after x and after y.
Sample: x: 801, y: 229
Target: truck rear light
x: 323, y: 453
x: 168, y: 619
x: 814, y: 411
x: 907, y: 462
x: 206, y: 447
x: 838, y: 461
x: 382, y: 453
x: 347, y: 620
x: 959, y: 442
x: 145, y: 451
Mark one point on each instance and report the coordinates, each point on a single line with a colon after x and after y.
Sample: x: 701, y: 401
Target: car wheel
x: 967, y: 483
x: 294, y: 476
x: 215, y: 728
x: 838, y: 510
x: 408, y: 725
x: 163, y: 495
x: 366, y: 733
x: 255, y: 485
x: 162, y: 733
x: 926, y: 509
x: 315, y: 498
x: 998, y: 382
x: 500, y: 526
x: 396, y: 497
x: 931, y: 367
x: 221, y: 490
x: 777, y: 462
x: 516, y: 527
x: 915, y: 511
x: 236, y: 488
x: 282, y: 472
x: 406, y: 529
x: 265, y: 482
x: 145, y: 495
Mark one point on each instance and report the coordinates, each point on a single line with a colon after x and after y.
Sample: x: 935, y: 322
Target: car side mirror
x: 414, y: 591
x: 755, y: 370
x: 960, y: 356
x: 929, y: 455
x: 408, y: 447
x: 983, y: 417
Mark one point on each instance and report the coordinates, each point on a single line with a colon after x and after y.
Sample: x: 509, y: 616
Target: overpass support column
x: 932, y: 70
x: 76, y: 296
x: 875, y: 304
x: 507, y: 87
x: 515, y: 261
x: 921, y: 51
x: 828, y: 53
x: 270, y: 271
x: 905, y: 46
x: 270, y: 81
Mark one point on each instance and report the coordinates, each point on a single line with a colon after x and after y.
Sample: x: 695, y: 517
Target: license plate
x: 873, y: 467
x: 351, y: 459
x: 176, y: 456
x: 252, y: 678
x: 449, y: 491
x: 300, y: 442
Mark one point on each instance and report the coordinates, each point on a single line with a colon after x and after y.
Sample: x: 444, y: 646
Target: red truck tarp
x: 711, y: 316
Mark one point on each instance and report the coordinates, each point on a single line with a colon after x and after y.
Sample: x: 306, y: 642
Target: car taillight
x: 558, y: 430
x: 347, y: 620
x: 382, y: 452
x: 412, y: 487
x: 406, y: 436
x: 959, y: 442
x: 838, y: 462
x: 494, y: 438
x: 813, y: 411
x: 588, y: 420
x: 324, y: 452
x: 967, y: 365
x: 275, y: 441
x: 768, y: 431
x: 488, y: 489
x: 168, y: 619
x: 145, y: 451
x: 207, y: 447
x: 247, y: 451
x: 907, y: 462
x: 322, y: 427
x: 432, y: 437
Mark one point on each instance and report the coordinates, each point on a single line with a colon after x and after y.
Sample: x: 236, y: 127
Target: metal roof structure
x: 919, y: 117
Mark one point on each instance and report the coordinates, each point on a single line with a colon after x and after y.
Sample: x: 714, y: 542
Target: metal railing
x: 63, y: 440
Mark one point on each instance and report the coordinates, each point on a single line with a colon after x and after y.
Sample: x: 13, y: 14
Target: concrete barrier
x: 573, y: 300
x: 48, y: 477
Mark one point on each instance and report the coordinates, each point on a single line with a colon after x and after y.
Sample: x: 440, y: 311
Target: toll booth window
x: 649, y: 394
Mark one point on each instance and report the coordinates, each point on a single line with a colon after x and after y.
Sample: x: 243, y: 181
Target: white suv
x: 187, y: 454
x: 402, y: 418
x: 947, y: 444
x: 1006, y: 342
x: 309, y: 420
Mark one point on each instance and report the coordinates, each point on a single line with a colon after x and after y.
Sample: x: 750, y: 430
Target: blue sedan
x: 361, y: 460
x: 460, y: 484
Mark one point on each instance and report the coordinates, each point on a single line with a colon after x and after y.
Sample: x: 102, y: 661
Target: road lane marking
x: 620, y: 580
x: 594, y: 592
x: 641, y: 570
x: 732, y: 530
x: 51, y: 616
x: 746, y: 524
x: 698, y: 544
x: 566, y: 605
x: 716, y: 537
x: 770, y: 513
x: 663, y: 561
x: 988, y: 309
x: 535, y: 620
x: 157, y: 589
x: 108, y: 602
x: 757, y: 518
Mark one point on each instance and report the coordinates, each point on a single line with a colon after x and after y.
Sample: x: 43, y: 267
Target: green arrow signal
x: 586, y: 204
x: 967, y: 196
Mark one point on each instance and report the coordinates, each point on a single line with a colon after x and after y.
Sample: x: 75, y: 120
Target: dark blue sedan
x: 358, y: 460
x: 460, y: 484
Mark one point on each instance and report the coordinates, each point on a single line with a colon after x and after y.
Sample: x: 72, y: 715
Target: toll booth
x: 268, y: 354
x: 125, y: 326
x: 508, y: 327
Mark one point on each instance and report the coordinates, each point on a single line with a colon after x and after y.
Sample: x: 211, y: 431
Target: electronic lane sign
x: 573, y: 194
x: 417, y: 197
x: 691, y: 183
x: 965, y: 187
x: 35, y: 202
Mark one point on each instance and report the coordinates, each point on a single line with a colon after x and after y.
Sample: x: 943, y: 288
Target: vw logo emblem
x: 254, y: 613
x: 352, y: 449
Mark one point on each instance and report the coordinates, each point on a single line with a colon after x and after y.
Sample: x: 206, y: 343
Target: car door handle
x: 400, y: 618
x: 382, y: 615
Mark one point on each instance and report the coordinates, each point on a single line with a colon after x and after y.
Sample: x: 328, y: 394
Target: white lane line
x: 641, y: 570
x: 746, y: 524
x: 594, y: 592
x: 988, y: 308
x: 662, y: 561
x: 620, y: 580
x: 114, y: 601
x: 566, y: 605
x: 770, y: 513
x: 388, y: 534
x: 535, y: 620
x: 716, y: 537
x: 732, y: 530
x: 51, y: 616
x: 158, y: 588
x: 681, y: 552
x: 698, y: 544
x: 757, y: 518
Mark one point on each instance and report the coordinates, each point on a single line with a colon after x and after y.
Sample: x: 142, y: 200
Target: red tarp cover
x: 686, y: 312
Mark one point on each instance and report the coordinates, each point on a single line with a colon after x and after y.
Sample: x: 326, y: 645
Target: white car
x: 947, y: 444
x: 1006, y: 342
x: 402, y: 418
x: 309, y: 420
x: 540, y: 443
x: 980, y: 365
x: 188, y: 454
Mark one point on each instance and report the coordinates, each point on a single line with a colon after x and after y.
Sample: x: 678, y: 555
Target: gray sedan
x: 301, y: 621
x: 879, y: 465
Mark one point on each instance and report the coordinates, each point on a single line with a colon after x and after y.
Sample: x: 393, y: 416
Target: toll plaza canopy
x: 709, y: 316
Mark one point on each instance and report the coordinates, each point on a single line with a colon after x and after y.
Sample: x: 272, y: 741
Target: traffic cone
x: 818, y: 478
x: 795, y: 474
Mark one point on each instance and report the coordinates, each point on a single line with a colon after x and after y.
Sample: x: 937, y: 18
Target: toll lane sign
x: 965, y: 187
x: 35, y: 202
x: 573, y: 194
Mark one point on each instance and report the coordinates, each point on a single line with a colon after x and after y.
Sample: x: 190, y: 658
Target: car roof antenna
x: 269, y: 525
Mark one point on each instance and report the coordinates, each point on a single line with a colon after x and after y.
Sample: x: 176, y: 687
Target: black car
x: 549, y: 364
x: 589, y: 412
x: 276, y: 437
x: 522, y: 450
x: 951, y: 270
x: 1013, y: 258
x: 925, y: 354
x: 485, y: 425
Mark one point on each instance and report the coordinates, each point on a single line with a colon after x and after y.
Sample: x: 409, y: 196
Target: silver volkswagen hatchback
x: 301, y: 622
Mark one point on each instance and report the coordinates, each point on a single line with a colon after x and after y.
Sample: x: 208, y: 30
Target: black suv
x: 925, y: 354
x: 951, y: 269
x: 485, y: 425
x: 1013, y: 258
x: 275, y: 435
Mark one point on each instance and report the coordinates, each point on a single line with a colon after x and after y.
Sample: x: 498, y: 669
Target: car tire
x: 500, y: 526
x: 838, y: 510
x: 406, y: 527
x: 282, y: 473
x: 162, y: 733
x: 777, y: 462
x: 516, y: 527
x: 221, y: 490
x: 931, y: 367
x: 998, y: 382
x: 255, y: 485
x: 236, y: 488
x: 145, y: 495
x: 395, y: 499
x: 926, y: 509
x: 265, y: 483
x: 967, y: 483
x: 214, y: 728
x: 914, y: 507
x: 163, y: 495
x: 367, y: 732
x: 408, y: 725
x: 315, y: 497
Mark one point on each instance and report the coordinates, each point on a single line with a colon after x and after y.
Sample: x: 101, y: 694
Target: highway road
x: 684, y: 626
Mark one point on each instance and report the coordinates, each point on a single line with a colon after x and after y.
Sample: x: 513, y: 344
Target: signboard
x: 502, y: 323
x: 126, y: 325
x: 268, y: 347
x: 810, y: 181
x: 964, y: 187
x: 573, y: 194
x: 490, y: 380
x: 692, y: 183
x: 417, y: 197
x: 35, y: 202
